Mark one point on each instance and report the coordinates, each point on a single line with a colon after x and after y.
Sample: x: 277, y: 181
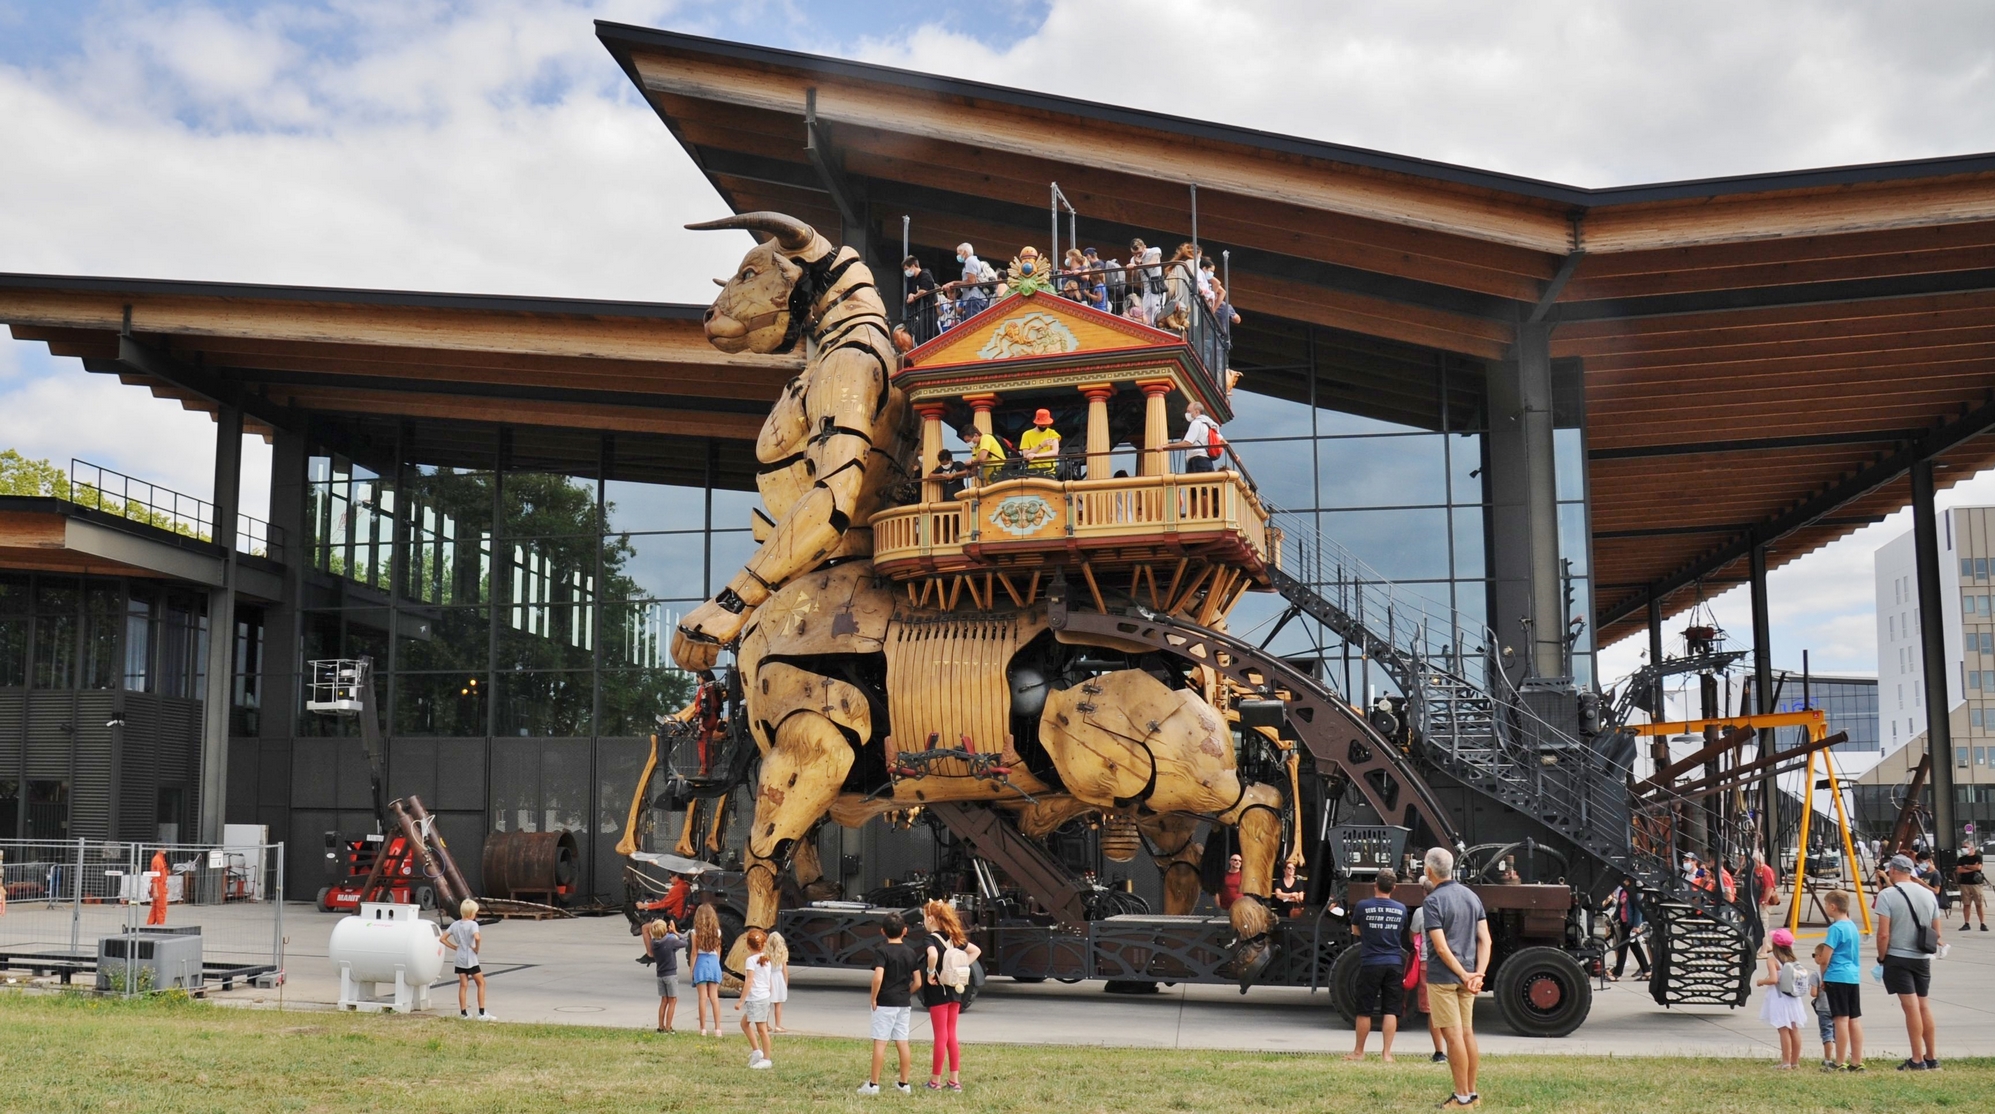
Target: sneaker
x: 1453, y: 1103
x: 869, y: 1088
x: 1932, y: 1065
x: 1439, y: 1058
x: 483, y: 1016
x: 754, y: 1057
x: 1984, y: 928
x: 1831, y: 1065
x: 1859, y: 1068
x: 1912, y: 1065
x: 761, y: 1064
x: 464, y: 1014
x: 904, y: 1088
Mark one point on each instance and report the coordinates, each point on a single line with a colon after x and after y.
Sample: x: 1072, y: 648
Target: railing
x: 136, y: 500
x: 1103, y: 509
x: 1131, y: 291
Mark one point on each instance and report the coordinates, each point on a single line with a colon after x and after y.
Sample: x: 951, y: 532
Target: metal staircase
x: 1488, y: 737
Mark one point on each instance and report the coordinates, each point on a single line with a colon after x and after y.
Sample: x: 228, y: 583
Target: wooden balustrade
x: 1035, y: 522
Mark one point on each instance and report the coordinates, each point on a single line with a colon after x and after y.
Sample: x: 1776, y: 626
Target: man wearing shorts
x: 1908, y: 933
x: 1458, y: 954
x: 1973, y: 885
x: 1379, y: 923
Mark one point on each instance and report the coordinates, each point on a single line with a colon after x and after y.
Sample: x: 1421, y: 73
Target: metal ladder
x: 1490, y: 742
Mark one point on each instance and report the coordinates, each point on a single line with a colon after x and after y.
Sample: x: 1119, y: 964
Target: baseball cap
x: 1900, y: 863
x: 1781, y: 937
x: 1045, y: 417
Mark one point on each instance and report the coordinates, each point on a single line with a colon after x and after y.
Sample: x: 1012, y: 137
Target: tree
x: 21, y: 476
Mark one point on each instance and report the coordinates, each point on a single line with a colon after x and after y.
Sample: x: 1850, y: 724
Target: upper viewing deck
x: 1102, y: 385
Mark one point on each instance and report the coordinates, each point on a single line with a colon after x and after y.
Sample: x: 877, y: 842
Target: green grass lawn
x: 74, y: 1053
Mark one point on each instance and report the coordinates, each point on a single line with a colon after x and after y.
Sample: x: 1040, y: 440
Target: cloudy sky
x: 494, y: 147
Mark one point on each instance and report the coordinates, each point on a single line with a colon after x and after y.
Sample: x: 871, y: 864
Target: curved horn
x: 791, y: 234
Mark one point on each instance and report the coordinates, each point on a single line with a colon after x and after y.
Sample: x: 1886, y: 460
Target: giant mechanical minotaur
x: 863, y: 699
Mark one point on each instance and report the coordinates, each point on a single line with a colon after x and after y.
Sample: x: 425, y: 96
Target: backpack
x: 1213, y: 442
x: 1792, y: 979
x: 1924, y: 937
x: 986, y: 272
x: 955, y: 969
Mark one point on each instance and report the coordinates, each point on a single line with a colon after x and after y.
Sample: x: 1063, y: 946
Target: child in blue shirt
x: 1841, y: 982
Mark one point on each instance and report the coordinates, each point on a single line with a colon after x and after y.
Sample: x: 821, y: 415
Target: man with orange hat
x: 159, y: 869
x: 1040, y: 445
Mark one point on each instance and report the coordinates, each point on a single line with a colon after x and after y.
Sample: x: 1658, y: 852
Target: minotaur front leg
x: 801, y: 775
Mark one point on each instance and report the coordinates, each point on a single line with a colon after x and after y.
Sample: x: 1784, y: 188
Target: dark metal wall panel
x: 138, y: 768
x: 91, y: 809
x: 354, y: 790
x: 464, y: 834
x: 180, y: 748
x: 460, y: 768
x: 13, y: 718
x: 51, y: 717
x: 619, y: 762
x: 412, y: 769
x: 314, y: 776
x: 305, y: 867
x: 245, y: 780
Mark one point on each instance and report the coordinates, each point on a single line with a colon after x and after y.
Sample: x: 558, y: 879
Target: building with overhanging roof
x: 1561, y: 413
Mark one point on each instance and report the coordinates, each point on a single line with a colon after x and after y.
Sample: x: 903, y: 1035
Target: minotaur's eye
x: 747, y: 273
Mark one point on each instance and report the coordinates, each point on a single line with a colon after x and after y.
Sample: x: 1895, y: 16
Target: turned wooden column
x: 980, y: 409
x: 1156, y: 427
x: 931, y: 448
x: 1099, y: 463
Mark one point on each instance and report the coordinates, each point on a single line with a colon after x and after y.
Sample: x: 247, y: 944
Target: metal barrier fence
x: 87, y: 907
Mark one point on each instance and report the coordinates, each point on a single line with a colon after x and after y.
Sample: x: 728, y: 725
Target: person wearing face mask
x: 972, y: 297
x: 920, y: 308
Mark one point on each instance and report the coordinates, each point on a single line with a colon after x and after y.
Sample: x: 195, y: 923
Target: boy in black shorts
x: 1379, y: 923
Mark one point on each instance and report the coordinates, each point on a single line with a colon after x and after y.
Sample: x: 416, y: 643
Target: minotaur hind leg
x: 1126, y: 738
x: 801, y: 775
x: 1176, y: 851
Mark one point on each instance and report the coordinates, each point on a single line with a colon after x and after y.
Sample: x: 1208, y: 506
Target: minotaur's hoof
x: 1250, y: 961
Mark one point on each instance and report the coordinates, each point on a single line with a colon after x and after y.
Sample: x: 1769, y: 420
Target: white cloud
x: 1588, y: 94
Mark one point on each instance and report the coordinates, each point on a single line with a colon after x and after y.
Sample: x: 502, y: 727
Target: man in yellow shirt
x: 986, y: 453
x: 1040, y: 445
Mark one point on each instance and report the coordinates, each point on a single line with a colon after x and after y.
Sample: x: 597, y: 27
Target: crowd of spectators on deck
x: 1145, y: 287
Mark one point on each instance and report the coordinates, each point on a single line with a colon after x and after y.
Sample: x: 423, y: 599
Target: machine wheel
x: 1026, y: 978
x: 1344, y: 986
x: 324, y: 900
x: 1543, y: 992
x: 425, y: 898
x: 1067, y: 982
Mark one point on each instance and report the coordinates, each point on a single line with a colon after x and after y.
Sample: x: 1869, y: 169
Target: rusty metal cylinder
x: 533, y: 866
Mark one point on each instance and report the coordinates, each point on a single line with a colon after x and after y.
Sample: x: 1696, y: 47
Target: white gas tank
x: 371, y: 944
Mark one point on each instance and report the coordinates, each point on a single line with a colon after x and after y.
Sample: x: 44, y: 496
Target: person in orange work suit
x: 158, y: 913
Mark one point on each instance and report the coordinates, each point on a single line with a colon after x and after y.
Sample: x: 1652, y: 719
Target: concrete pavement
x: 582, y: 972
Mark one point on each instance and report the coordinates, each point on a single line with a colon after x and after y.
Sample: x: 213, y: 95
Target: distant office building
x: 1849, y: 702
x: 1901, y: 687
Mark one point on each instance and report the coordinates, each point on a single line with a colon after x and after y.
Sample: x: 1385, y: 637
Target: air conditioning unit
x: 159, y: 959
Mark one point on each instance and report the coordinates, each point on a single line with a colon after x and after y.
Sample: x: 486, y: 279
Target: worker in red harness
x: 158, y: 913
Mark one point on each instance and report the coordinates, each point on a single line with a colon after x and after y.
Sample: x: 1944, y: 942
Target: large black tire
x: 1026, y: 978
x: 1543, y: 992
x: 425, y: 898
x: 325, y: 899
x: 1344, y: 986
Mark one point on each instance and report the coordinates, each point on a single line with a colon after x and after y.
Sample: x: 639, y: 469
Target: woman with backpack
x: 1786, y: 1007
x: 947, y: 973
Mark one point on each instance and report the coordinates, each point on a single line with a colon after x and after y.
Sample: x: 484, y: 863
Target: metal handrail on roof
x: 102, y: 489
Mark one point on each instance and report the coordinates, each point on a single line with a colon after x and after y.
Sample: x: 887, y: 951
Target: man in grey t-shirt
x: 1902, y: 907
x: 1457, y: 956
